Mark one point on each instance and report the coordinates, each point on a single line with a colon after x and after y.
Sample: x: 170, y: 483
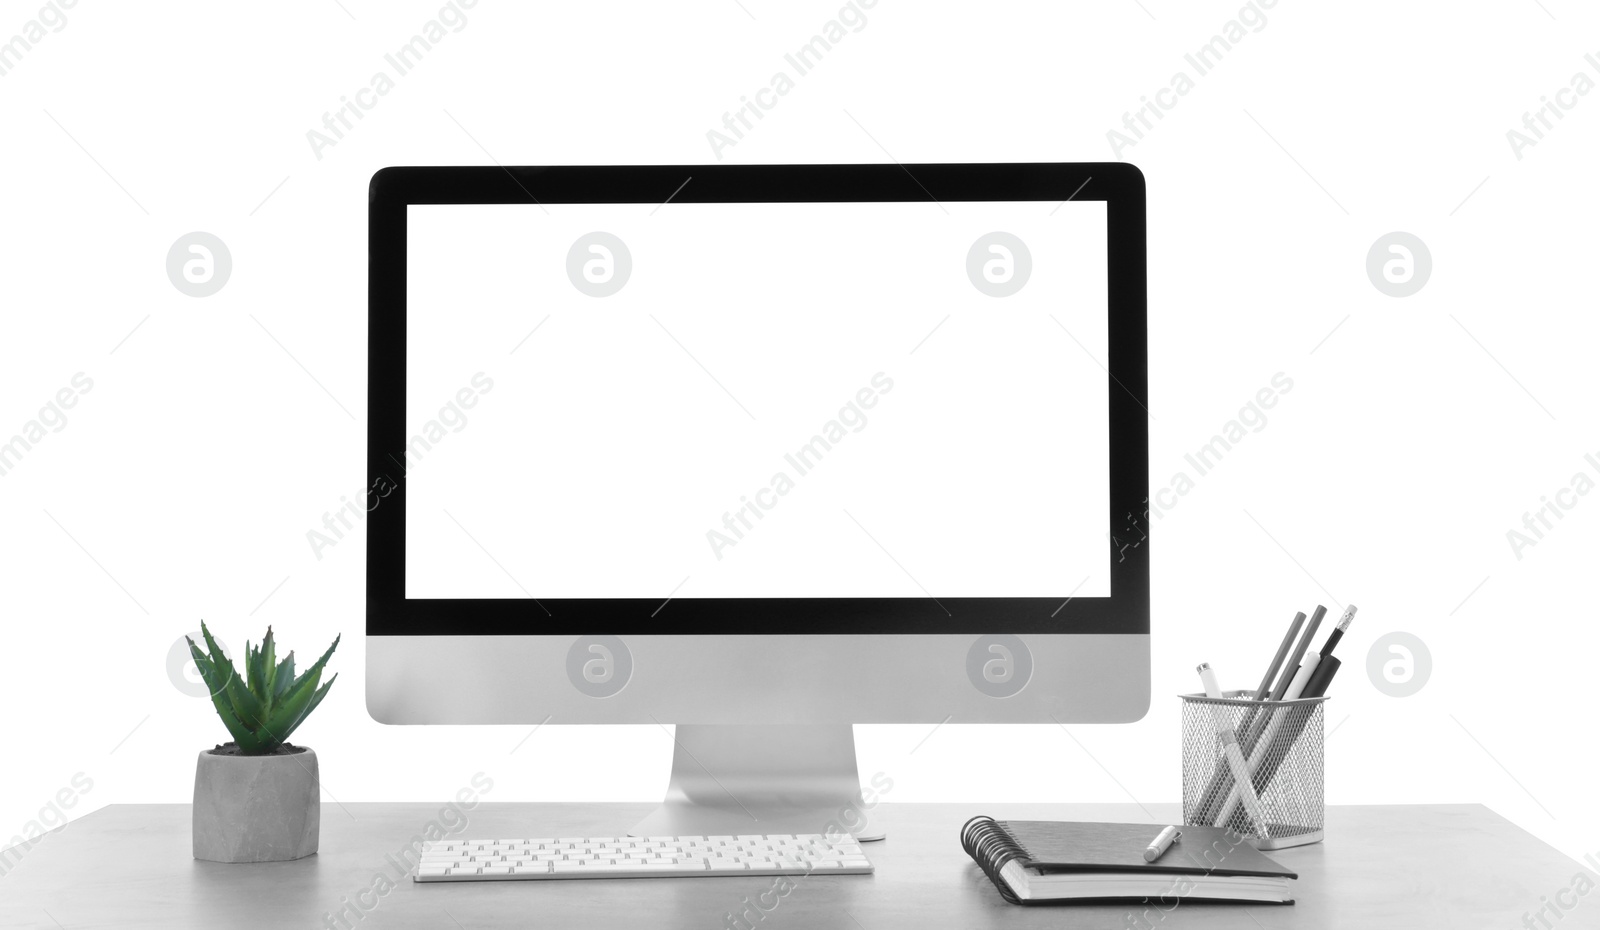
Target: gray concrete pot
x: 256, y: 808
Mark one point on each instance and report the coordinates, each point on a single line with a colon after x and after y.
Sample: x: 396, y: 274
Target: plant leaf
x: 291, y: 710
x: 217, y: 661
x: 252, y: 669
x: 218, y: 657
x: 316, y: 699
x: 269, y: 669
x: 246, y: 705
x: 217, y: 683
x: 248, y: 741
x: 213, y: 678
x: 315, y: 668
x: 283, y: 677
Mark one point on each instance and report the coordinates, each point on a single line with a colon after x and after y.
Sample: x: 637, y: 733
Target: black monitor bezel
x: 1121, y: 186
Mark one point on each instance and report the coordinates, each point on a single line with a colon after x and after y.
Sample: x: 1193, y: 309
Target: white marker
x: 1269, y: 737
x: 1230, y: 750
x: 1160, y: 844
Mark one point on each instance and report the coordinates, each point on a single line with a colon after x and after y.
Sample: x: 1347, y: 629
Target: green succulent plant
x: 261, y: 709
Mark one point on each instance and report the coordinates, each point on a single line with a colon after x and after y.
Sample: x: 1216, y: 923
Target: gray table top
x: 129, y: 866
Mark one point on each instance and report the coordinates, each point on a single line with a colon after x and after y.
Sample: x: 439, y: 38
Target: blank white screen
x: 627, y: 446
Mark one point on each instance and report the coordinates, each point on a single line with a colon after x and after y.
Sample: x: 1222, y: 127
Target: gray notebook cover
x: 1063, y: 846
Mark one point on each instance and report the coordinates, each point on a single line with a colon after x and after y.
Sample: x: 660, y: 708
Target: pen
x: 1297, y: 688
x: 1230, y: 749
x: 1160, y: 844
x: 1217, y: 788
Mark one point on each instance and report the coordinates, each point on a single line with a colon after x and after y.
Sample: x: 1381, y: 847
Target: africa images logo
x: 599, y: 666
x: 999, y: 665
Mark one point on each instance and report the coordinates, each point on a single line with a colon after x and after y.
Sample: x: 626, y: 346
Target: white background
x: 621, y: 429
x: 1418, y: 431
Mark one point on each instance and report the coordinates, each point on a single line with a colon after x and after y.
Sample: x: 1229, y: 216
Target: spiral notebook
x: 1061, y: 862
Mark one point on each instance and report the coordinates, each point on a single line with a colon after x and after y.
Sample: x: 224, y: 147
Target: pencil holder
x: 1278, y: 744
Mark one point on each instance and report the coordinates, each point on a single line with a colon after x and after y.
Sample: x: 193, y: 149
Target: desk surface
x: 129, y: 866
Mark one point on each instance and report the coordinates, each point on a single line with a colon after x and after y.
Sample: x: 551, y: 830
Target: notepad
x: 1057, y: 862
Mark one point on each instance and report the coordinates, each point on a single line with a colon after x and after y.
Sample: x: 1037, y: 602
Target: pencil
x: 1277, y: 660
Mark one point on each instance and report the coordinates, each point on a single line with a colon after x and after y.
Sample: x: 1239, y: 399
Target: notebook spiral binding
x: 987, y: 842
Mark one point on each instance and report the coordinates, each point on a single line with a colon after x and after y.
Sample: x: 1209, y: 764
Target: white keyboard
x: 640, y: 857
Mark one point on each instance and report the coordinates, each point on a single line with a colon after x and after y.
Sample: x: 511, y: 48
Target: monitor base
x: 732, y: 780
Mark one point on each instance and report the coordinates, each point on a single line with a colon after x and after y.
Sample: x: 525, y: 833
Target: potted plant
x: 256, y: 798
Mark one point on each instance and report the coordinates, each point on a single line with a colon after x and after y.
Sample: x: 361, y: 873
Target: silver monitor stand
x: 732, y: 773
x: 731, y: 780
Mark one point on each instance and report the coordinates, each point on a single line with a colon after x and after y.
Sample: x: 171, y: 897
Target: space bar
x: 574, y: 869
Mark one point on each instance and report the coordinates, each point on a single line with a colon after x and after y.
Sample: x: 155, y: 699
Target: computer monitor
x: 759, y: 451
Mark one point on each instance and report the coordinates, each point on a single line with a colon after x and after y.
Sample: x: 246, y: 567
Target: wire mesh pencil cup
x: 1278, y: 742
